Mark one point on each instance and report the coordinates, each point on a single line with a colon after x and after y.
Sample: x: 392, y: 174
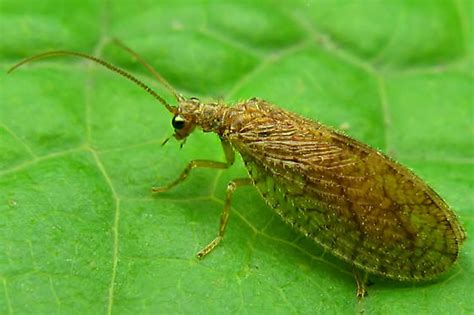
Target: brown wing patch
x: 352, y: 199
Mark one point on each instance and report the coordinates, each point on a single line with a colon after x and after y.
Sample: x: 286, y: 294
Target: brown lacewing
x: 354, y: 201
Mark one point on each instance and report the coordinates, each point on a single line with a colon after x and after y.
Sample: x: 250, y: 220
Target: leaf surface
x: 80, y: 148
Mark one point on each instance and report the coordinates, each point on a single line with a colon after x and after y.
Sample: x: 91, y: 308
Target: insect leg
x: 231, y: 187
x: 361, y: 284
x: 229, y: 157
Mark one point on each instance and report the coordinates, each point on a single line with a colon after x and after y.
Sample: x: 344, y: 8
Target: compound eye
x: 178, y: 122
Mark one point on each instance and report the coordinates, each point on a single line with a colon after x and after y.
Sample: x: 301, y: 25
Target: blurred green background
x: 80, y: 149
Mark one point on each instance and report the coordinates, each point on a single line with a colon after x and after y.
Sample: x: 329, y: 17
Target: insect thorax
x: 219, y: 118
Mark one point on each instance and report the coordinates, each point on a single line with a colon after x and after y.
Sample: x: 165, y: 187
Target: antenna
x: 109, y: 66
x: 150, y: 69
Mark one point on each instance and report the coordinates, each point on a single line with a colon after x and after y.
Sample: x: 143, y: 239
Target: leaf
x: 80, y: 149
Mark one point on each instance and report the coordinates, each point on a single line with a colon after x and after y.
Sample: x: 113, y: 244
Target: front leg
x: 229, y: 156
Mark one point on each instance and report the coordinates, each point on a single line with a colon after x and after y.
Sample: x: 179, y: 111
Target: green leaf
x: 80, y: 149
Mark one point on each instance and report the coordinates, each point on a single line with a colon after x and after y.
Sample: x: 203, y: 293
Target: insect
x: 354, y: 201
